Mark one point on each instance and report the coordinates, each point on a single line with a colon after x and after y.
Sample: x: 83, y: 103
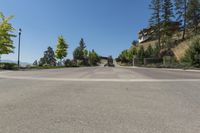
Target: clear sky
x: 108, y: 26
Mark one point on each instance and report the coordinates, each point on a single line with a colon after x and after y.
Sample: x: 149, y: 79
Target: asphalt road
x: 100, y: 100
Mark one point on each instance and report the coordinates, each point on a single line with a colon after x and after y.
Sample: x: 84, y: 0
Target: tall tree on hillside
x: 167, y: 16
x: 6, y: 33
x: 61, y: 48
x: 193, y: 15
x: 155, y: 20
x: 181, y: 13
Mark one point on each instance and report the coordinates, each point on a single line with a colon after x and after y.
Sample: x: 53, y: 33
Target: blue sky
x: 108, y: 26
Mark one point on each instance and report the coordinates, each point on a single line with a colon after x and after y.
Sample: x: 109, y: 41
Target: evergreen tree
x: 167, y: 16
x: 82, y: 44
x: 149, y: 52
x: 155, y: 20
x: 181, y: 12
x: 48, y: 58
x: 6, y: 33
x: 167, y: 11
x: 193, y: 15
x: 80, y: 51
x: 35, y: 63
x: 141, y: 52
x: 61, y: 48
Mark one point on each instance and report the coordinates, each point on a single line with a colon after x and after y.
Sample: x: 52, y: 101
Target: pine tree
x: 61, y: 48
x: 141, y: 52
x: 155, y: 20
x: 167, y: 16
x: 48, y: 58
x: 35, y: 63
x: 181, y: 13
x: 6, y: 33
x: 193, y: 15
x: 82, y: 44
x: 149, y: 52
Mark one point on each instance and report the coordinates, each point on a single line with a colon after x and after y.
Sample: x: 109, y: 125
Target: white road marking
x: 100, y: 80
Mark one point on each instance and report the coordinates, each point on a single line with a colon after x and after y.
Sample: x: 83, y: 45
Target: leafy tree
x: 155, y: 20
x: 141, y: 52
x: 181, y: 12
x: 93, y: 58
x: 35, y: 63
x: 149, y: 52
x: 61, y: 48
x: 6, y: 33
x: 48, y: 58
x: 193, y: 15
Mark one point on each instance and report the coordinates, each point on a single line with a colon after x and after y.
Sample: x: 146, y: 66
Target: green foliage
x: 193, y: 53
x: 61, y: 48
x: 141, y: 52
x: 126, y: 56
x: 70, y: 63
x: 6, y: 33
x: 134, y: 43
x: 35, y: 63
x: 156, y: 51
x: 155, y: 20
x: 93, y: 58
x: 8, y: 66
x: 193, y: 15
x: 167, y: 11
x: 149, y: 52
x: 79, y: 51
x: 181, y: 12
x: 48, y: 59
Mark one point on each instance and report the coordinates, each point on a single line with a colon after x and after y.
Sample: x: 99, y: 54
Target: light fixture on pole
x: 18, y: 62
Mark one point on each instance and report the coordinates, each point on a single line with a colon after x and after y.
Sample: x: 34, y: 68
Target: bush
x: 70, y: 63
x: 8, y: 66
x: 192, y: 55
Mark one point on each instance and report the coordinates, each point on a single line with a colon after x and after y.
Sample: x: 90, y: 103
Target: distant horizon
x: 103, y: 25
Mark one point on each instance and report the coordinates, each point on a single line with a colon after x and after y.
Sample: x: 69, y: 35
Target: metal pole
x: 19, y: 48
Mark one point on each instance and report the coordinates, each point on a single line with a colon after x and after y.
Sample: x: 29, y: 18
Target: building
x: 147, y: 34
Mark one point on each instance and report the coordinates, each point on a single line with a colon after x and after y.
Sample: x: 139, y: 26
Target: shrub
x: 8, y: 66
x: 192, y: 55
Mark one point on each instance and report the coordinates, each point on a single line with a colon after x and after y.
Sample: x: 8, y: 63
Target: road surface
x: 100, y: 100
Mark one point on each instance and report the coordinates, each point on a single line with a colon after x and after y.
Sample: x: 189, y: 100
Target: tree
x: 181, y: 12
x: 141, y: 52
x: 155, y: 20
x: 48, y: 58
x: 149, y: 52
x: 77, y: 54
x: 156, y: 51
x: 61, y: 48
x: 79, y: 51
x: 134, y: 43
x: 35, y: 63
x: 193, y: 15
x: 167, y: 16
x: 192, y: 55
x: 93, y: 58
x: 6, y: 33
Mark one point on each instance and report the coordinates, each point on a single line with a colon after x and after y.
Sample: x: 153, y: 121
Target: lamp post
x: 20, y: 32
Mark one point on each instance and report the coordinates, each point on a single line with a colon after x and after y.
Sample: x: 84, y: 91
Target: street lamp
x: 20, y: 32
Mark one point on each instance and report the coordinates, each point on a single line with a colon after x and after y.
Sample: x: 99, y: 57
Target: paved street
x: 100, y: 100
